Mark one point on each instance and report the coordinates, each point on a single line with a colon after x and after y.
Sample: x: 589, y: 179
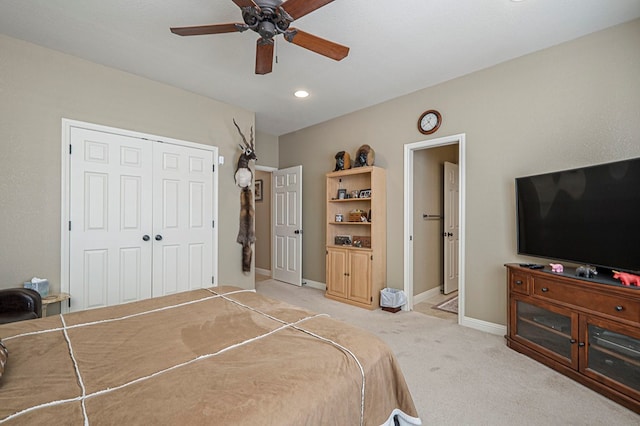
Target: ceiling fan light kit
x: 270, y: 18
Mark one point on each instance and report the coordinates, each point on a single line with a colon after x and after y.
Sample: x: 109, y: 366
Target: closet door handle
x: 146, y: 238
x: 158, y: 237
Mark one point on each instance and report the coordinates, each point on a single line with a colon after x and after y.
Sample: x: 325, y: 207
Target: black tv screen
x: 589, y: 215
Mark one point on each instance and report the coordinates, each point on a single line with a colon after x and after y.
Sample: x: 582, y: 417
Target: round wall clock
x: 429, y: 122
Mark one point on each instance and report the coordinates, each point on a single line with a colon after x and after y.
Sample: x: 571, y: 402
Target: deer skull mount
x: 244, y: 175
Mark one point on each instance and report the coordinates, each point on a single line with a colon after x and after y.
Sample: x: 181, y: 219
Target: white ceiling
x: 397, y: 47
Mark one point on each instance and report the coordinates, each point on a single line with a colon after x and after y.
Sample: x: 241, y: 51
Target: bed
x: 223, y: 356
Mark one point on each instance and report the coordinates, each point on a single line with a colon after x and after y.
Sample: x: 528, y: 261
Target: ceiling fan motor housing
x: 268, y: 20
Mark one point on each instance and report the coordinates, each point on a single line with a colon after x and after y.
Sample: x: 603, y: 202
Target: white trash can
x: 392, y: 298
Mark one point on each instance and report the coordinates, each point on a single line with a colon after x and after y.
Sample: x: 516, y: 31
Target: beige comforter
x: 217, y: 356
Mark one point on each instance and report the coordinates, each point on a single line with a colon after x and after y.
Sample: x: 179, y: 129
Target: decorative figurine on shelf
x: 627, y: 279
x: 586, y: 271
x: 244, y: 179
x: 556, y: 267
x: 343, y: 161
x: 365, y: 156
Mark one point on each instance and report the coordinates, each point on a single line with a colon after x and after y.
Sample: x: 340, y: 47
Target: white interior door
x: 183, y: 218
x: 287, y: 225
x: 451, y: 227
x: 110, y: 213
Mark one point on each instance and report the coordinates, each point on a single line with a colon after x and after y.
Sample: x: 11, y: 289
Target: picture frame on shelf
x: 258, y: 189
x: 342, y: 194
x: 343, y: 240
x: 365, y: 193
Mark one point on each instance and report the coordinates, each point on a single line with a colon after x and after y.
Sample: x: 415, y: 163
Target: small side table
x: 53, y: 298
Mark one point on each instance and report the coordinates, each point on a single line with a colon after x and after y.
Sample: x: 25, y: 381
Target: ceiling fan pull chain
x: 276, y: 40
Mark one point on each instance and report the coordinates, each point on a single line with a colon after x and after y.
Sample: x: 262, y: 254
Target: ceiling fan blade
x: 317, y: 44
x: 245, y: 3
x: 264, y: 56
x: 299, y: 8
x: 208, y: 29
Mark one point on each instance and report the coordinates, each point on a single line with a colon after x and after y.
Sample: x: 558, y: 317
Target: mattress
x: 212, y: 356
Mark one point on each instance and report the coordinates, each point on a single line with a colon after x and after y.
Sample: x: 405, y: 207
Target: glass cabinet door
x: 548, y: 327
x: 613, y: 353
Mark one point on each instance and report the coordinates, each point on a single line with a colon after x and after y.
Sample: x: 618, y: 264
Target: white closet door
x: 183, y: 216
x: 110, y: 213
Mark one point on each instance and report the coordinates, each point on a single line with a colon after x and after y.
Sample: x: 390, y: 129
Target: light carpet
x: 461, y: 376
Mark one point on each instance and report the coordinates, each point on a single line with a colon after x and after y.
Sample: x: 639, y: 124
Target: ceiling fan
x: 270, y: 18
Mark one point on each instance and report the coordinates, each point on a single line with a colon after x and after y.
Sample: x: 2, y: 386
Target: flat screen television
x: 589, y: 215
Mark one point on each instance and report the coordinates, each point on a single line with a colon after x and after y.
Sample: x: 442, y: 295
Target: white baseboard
x: 418, y: 298
x: 314, y: 284
x: 487, y: 327
x: 261, y: 271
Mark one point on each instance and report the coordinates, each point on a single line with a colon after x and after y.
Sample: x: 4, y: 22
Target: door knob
x: 158, y: 237
x: 145, y: 238
x: 447, y: 234
x: 298, y: 231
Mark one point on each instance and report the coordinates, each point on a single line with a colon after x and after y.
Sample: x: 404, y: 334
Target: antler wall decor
x: 244, y: 179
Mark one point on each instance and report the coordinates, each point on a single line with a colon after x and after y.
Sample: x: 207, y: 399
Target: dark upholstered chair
x: 18, y: 304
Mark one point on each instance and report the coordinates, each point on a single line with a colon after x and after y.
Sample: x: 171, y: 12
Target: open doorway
x: 423, y: 190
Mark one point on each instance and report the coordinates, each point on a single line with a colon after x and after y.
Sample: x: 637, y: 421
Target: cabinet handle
x: 581, y: 344
x: 619, y: 308
x: 518, y: 282
x: 545, y: 289
x: 572, y: 341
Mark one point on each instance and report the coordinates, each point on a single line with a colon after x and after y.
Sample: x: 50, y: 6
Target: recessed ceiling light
x: 301, y: 94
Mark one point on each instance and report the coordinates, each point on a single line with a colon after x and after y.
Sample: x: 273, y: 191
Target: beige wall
x: 263, y: 223
x: 428, y: 246
x: 267, y: 149
x: 571, y: 105
x: 39, y: 87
